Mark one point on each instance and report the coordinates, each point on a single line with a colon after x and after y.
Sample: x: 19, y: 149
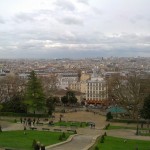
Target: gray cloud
x: 65, y: 5
x: 72, y: 21
x: 137, y: 18
x: 38, y: 44
x: 24, y: 17
x: 2, y: 20
x: 84, y: 1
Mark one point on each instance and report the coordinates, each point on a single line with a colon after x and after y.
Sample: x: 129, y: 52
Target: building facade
x: 96, y: 91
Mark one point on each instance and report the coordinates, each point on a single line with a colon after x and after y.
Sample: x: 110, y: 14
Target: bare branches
x: 127, y: 92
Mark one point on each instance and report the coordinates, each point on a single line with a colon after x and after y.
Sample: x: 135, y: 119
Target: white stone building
x: 67, y: 78
x: 96, y: 90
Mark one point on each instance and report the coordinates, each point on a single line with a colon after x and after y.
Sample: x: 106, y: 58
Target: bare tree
x: 128, y: 93
x: 49, y: 84
x: 10, y: 86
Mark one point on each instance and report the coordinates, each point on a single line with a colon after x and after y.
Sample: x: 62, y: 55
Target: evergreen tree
x: 35, y: 98
x: 71, y: 97
x: 64, y: 100
x: 145, y: 112
x: 50, y: 104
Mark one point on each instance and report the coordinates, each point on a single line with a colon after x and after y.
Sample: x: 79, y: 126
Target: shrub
x: 22, y: 114
x: 109, y: 116
x: 63, y: 135
x: 96, y: 148
x: 105, y: 134
x: 102, y: 139
x: 75, y: 132
x: 34, y: 143
x: 107, y: 126
x: 42, y: 147
x: 127, y: 121
x: 0, y: 128
x: 60, y: 138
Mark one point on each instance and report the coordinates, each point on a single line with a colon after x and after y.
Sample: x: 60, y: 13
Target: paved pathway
x: 78, y: 142
x: 128, y: 134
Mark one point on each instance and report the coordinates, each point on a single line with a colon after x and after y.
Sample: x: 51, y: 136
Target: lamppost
x: 137, y: 128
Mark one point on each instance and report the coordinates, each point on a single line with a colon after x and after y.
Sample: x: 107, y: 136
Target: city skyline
x: 74, y: 29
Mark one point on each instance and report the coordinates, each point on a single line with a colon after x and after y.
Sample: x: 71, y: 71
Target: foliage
x: 35, y: 98
x: 107, y: 126
x: 15, y: 104
x: 102, y: 139
x: 22, y: 114
x: 49, y: 84
x: 10, y: 86
x: 75, y: 132
x: 69, y: 98
x: 60, y: 138
x: 96, y: 148
x: 50, y: 104
x: 105, y: 134
x: 145, y: 112
x: 128, y: 93
x: 127, y: 121
x: 0, y: 128
x: 63, y: 135
x: 64, y: 100
x: 1, y: 106
x: 33, y: 143
x: 109, y: 116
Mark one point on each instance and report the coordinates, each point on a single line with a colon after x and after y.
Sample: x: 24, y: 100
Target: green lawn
x: 21, y: 141
x: 113, y: 143
x: 73, y: 124
x: 123, y: 127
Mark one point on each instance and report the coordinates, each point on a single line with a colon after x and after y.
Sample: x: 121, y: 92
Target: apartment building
x: 96, y: 89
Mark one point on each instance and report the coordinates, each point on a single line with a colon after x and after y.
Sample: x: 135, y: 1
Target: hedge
x: 127, y: 121
x: 22, y: 114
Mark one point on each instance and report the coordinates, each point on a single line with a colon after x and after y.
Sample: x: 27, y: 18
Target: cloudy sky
x: 74, y: 28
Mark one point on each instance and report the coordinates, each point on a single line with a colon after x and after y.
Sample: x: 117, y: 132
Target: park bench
x: 45, y: 129
x: 40, y: 123
x: 33, y: 128
x: 63, y: 126
x: 71, y: 131
x: 57, y: 130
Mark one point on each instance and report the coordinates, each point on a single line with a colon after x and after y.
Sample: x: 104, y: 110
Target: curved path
x: 78, y: 142
x: 128, y: 134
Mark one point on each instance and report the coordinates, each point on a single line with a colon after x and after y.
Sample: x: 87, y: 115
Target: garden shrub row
x: 22, y: 114
x: 127, y: 121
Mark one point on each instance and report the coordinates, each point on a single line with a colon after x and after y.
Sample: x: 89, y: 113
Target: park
x: 119, y: 135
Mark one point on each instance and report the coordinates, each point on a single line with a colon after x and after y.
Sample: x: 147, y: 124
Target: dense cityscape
x: 113, y: 87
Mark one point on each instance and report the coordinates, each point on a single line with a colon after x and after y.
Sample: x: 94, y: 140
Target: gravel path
x: 78, y: 142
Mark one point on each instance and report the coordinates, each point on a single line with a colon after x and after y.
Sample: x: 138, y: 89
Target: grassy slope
x: 123, y: 127
x: 113, y: 143
x: 17, y: 139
